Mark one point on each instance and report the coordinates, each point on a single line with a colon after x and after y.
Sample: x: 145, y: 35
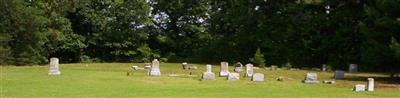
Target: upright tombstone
x: 208, y: 75
x: 311, y: 78
x: 54, y: 66
x: 224, y: 72
x: 274, y: 67
x: 359, y: 87
x: 233, y: 76
x: 339, y: 74
x: 258, y: 77
x: 238, y: 67
x: 249, y: 70
x: 155, y: 68
x: 324, y: 67
x: 370, y: 84
x: 185, y: 65
x: 353, y: 68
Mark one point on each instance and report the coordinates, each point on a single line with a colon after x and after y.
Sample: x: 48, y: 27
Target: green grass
x: 109, y: 80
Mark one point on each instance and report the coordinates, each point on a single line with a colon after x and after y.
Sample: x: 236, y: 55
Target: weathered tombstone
x: 353, y: 68
x: 324, y: 67
x: 249, y: 70
x: 233, y: 76
x: 359, y: 87
x: 280, y: 78
x: 238, y: 67
x: 54, y: 66
x: 208, y: 75
x: 339, y: 74
x: 224, y: 69
x: 370, y: 84
x: 147, y: 65
x: 274, y: 67
x: 258, y: 77
x: 155, y: 68
x: 185, y: 65
x: 311, y: 78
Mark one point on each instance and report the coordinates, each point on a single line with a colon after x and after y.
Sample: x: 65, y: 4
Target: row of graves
x: 310, y: 78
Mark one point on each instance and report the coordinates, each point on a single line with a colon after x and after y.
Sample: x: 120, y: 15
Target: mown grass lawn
x: 98, y: 80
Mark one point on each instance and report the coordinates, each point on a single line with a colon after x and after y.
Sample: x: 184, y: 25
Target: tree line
x: 303, y: 33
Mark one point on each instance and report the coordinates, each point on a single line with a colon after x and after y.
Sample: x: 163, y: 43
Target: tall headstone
x: 155, y: 68
x: 311, y: 78
x: 238, y: 67
x: 208, y: 75
x: 54, y: 66
x: 359, y: 87
x: 224, y: 72
x: 324, y: 67
x: 353, y: 68
x: 249, y: 70
x: 258, y: 77
x: 339, y: 74
x: 233, y: 76
x: 370, y: 84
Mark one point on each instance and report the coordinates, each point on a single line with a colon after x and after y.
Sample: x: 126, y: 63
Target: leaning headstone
x: 54, y: 67
x: 249, y: 70
x: 208, y: 75
x: 233, y: 76
x: 185, y: 65
x: 311, y: 78
x: 155, y: 68
x: 238, y: 67
x: 370, y: 84
x: 258, y: 77
x: 224, y: 69
x: 339, y: 74
x: 353, y: 68
x: 324, y: 67
x: 359, y: 87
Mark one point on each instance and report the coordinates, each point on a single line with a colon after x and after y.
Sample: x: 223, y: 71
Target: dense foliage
x: 298, y: 32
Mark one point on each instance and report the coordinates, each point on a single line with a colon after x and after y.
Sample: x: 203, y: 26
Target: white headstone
x: 155, y: 68
x: 353, y: 68
x: 370, y: 84
x: 249, y: 70
x: 208, y: 75
x: 224, y: 69
x: 54, y: 66
x: 209, y: 68
x: 238, y: 67
x: 339, y: 74
x: 258, y: 77
x: 359, y: 87
x: 233, y: 76
x: 311, y: 78
x: 324, y: 67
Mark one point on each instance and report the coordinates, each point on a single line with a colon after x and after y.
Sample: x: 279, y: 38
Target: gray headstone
x: 233, y: 76
x: 274, y: 67
x: 224, y: 69
x: 249, y: 70
x: 339, y: 74
x: 258, y: 77
x: 155, y: 68
x: 353, y: 68
x: 359, y: 87
x: 185, y: 65
x: 370, y: 84
x: 324, y: 67
x: 54, y: 68
x: 311, y: 78
x: 238, y: 67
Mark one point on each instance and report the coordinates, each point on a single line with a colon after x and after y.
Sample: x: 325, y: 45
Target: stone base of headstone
x: 233, y: 76
x: 54, y: 73
x: 208, y: 76
x: 310, y: 82
x: 155, y: 73
x: 238, y: 69
x: 223, y: 74
x: 359, y: 87
x: 258, y: 77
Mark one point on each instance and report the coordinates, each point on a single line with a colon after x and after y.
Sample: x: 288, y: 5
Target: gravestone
x: 192, y: 69
x: 353, y: 68
x: 155, y: 68
x: 324, y: 67
x: 280, y: 78
x: 185, y: 65
x: 233, y: 76
x: 224, y: 69
x: 258, y: 77
x: 370, y: 84
x: 359, y: 87
x: 147, y: 65
x: 208, y: 75
x: 238, y: 67
x: 339, y: 74
x: 311, y: 78
x: 54, y: 68
x: 274, y: 67
x: 249, y: 70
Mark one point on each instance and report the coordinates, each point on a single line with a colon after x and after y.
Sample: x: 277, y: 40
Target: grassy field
x: 99, y: 80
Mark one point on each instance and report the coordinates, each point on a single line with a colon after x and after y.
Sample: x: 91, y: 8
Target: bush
x: 258, y: 58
